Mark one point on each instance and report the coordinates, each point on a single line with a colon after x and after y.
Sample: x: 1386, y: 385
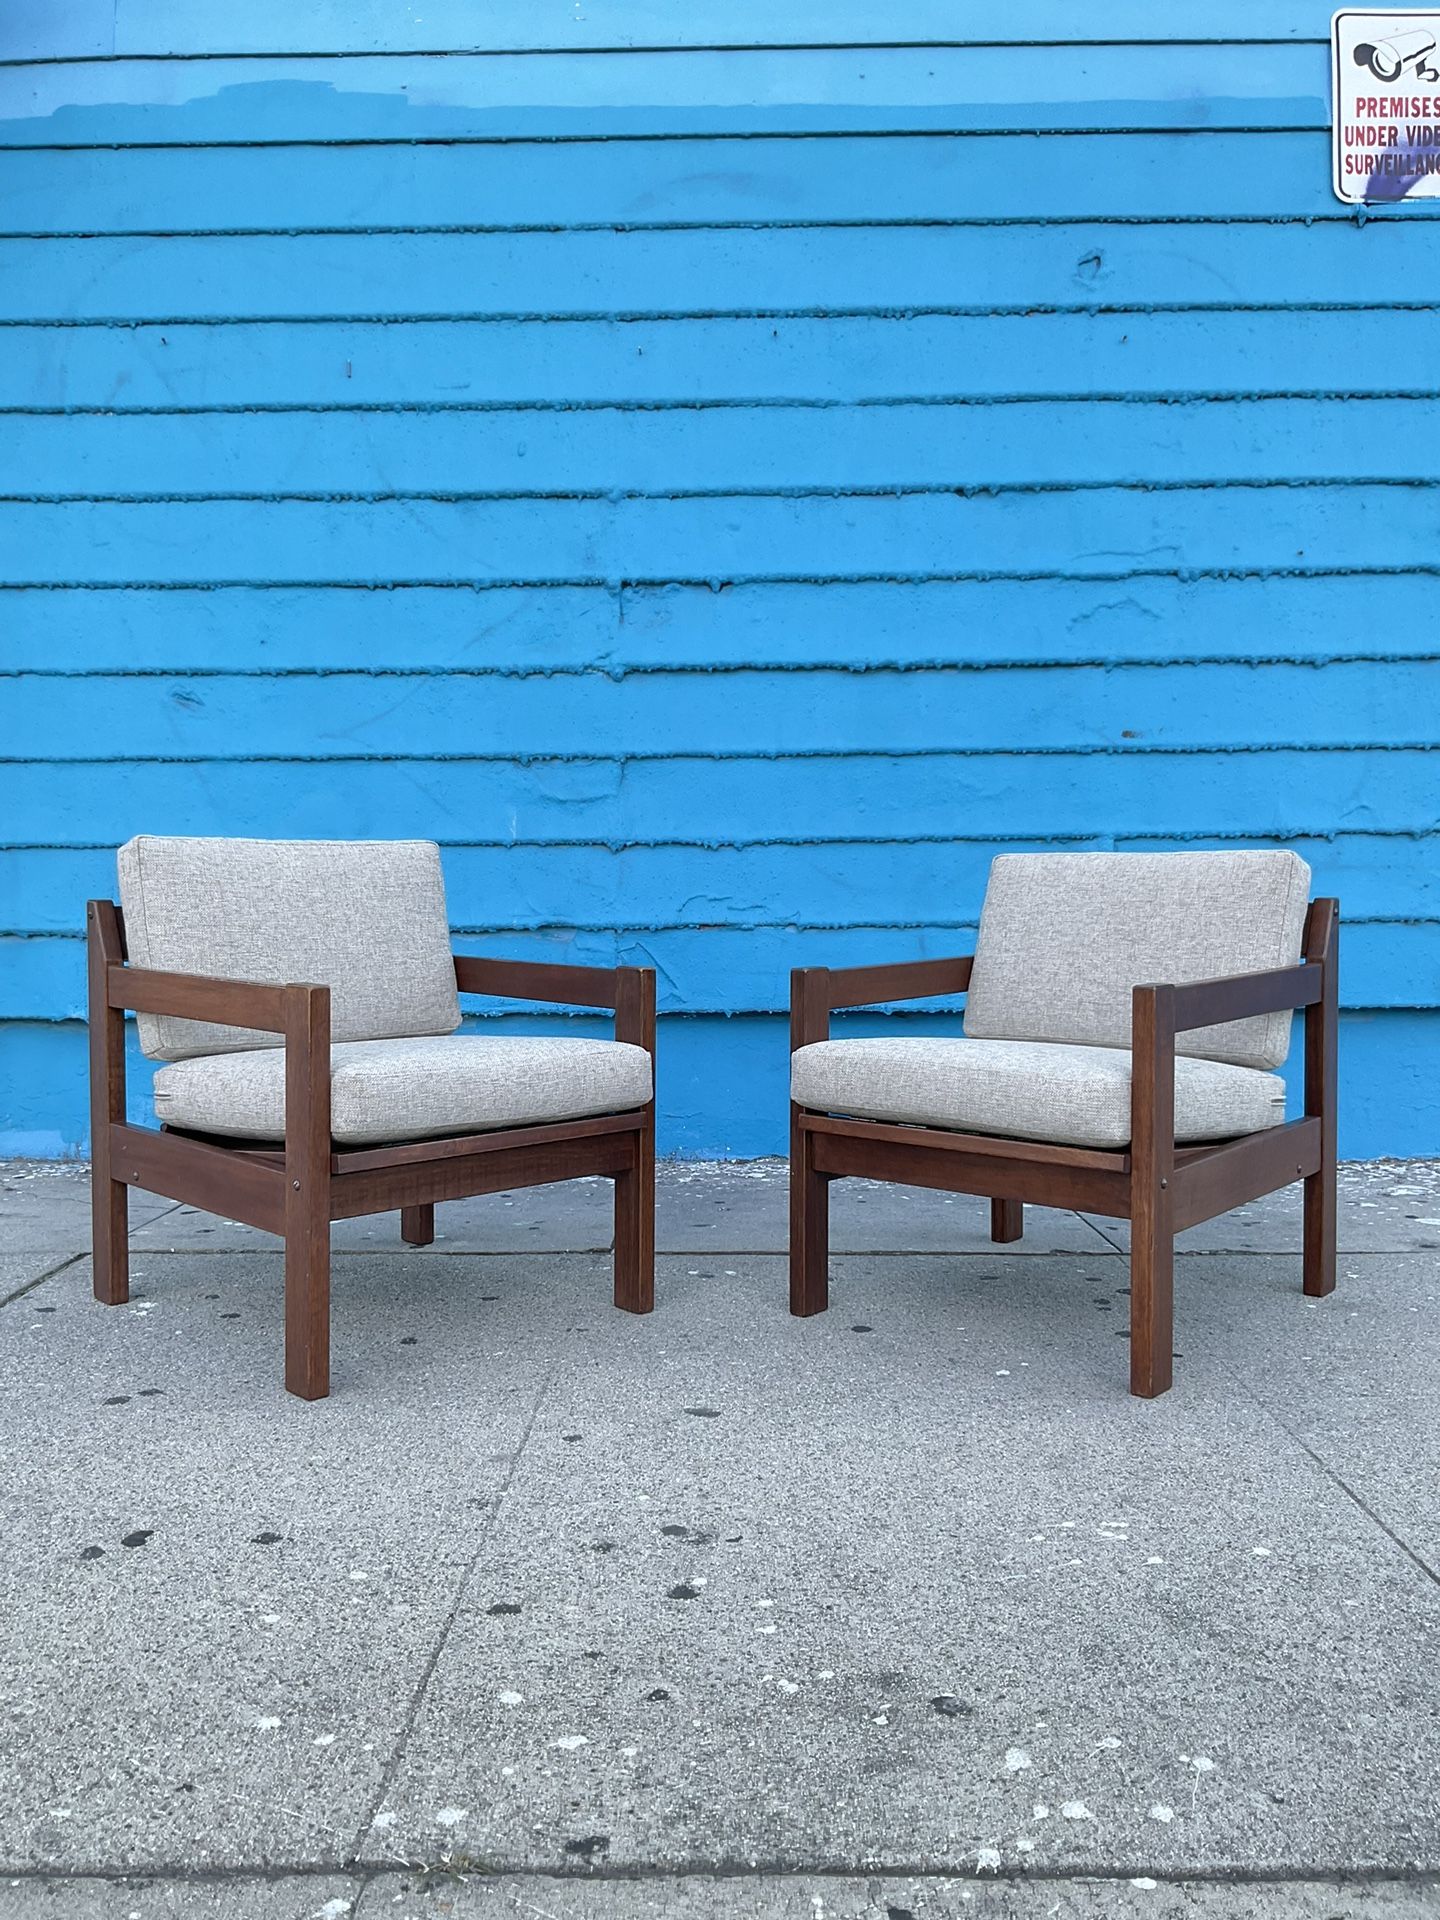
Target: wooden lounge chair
x: 1077, y: 1084
x: 264, y: 1120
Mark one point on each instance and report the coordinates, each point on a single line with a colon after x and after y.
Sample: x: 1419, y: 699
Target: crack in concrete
x: 1330, y: 1474
x: 41, y: 1278
x: 1111, y: 1245
x: 427, y: 1673
x: 68, y: 1260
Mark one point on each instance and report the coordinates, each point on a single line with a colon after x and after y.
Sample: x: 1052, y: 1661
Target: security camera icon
x: 1389, y: 59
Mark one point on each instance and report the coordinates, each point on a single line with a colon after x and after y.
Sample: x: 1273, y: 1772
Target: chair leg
x: 109, y: 1199
x: 809, y: 1226
x: 1319, y: 1261
x: 417, y: 1225
x: 1152, y: 1193
x: 635, y: 1228
x: 110, y: 1215
x: 307, y: 1192
x: 307, y: 1303
x: 1007, y: 1221
x: 1322, y: 942
x: 1152, y: 1291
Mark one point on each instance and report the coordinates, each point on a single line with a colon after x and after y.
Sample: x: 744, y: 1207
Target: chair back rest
x: 1065, y: 937
x: 365, y: 918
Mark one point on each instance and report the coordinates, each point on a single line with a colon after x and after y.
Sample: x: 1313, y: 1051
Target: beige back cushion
x: 1064, y: 937
x: 365, y: 918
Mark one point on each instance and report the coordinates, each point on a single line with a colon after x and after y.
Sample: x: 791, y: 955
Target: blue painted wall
x: 721, y: 477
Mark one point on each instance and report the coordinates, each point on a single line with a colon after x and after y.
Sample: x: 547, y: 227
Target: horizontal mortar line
x: 814, y: 223
x: 811, y: 844
x: 631, y: 316
x: 840, y: 669
x: 790, y: 924
x: 694, y: 136
x: 616, y: 673
x: 861, y: 223
x: 1138, y: 398
x: 607, y: 227
x: 637, y: 583
x: 1185, y: 575
x: 541, y: 757
x: 643, y: 929
x: 1333, y: 215
x: 745, y: 49
x: 615, y: 496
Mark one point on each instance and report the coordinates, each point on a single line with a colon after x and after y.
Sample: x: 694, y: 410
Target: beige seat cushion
x: 390, y: 1090
x: 1027, y: 1090
x: 1065, y: 938
x: 365, y: 918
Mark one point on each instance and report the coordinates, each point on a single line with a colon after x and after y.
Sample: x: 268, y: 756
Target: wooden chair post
x: 109, y: 1198
x: 1322, y: 944
x: 307, y: 1191
x: 1152, y: 1163
x: 635, y: 1187
x: 809, y: 1190
x: 417, y: 1225
x: 1007, y: 1221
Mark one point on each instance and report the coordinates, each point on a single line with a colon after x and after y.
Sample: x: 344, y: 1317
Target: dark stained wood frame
x: 297, y: 1187
x: 1159, y: 1187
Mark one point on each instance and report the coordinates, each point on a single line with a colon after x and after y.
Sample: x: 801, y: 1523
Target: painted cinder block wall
x: 722, y: 478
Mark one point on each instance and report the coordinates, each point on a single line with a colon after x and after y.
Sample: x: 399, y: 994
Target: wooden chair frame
x: 1159, y: 1187
x: 297, y: 1188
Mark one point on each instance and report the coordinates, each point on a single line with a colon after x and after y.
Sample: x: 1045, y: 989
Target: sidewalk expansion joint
x: 1336, y: 1877
x: 41, y: 1278
x: 427, y: 1673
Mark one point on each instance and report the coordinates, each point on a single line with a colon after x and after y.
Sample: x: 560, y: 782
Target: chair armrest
x: 1240, y: 996
x: 299, y: 1013
x: 815, y: 992
x: 536, y: 980
x: 627, y: 992
x: 192, y: 996
x: 1161, y: 1010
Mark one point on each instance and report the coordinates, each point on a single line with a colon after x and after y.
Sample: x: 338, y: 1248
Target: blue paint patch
x: 828, y: 90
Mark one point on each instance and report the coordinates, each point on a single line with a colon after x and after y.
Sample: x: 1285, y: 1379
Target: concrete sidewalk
x: 905, y: 1611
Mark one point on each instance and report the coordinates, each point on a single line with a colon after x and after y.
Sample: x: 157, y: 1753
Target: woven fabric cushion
x: 365, y: 918
x: 1065, y: 937
x: 411, y: 1089
x: 1070, y: 1096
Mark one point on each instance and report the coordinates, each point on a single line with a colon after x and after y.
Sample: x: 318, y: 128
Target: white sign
x: 1386, y: 105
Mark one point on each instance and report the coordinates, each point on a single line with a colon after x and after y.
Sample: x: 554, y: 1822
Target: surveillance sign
x: 1385, y: 106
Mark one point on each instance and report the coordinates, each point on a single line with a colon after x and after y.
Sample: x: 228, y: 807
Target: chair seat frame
x: 295, y: 1188
x: 1158, y: 1186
